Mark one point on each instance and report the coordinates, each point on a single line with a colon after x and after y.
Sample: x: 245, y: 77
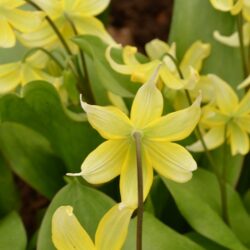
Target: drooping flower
x: 12, y: 18
x: 80, y: 12
x: 228, y: 119
x: 157, y: 51
x: 22, y: 72
x: 68, y: 234
x: 117, y: 155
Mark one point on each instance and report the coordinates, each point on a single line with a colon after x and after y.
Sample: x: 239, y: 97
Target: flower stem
x: 33, y: 50
x: 242, y: 48
x: 220, y: 177
x: 88, y: 91
x: 53, y: 26
x: 137, y: 138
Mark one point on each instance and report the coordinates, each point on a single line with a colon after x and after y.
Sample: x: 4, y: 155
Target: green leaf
x: 197, y: 20
x: 89, y: 207
x: 111, y: 80
x: 12, y: 233
x: 198, y: 201
x: 40, y: 109
x: 30, y: 156
x: 158, y: 236
x: 9, y: 198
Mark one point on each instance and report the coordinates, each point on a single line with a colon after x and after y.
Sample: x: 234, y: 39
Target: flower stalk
x: 137, y: 137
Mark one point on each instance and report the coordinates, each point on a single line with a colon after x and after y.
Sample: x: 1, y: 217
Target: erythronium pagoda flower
x: 12, y: 18
x: 117, y: 155
x: 80, y: 12
x: 68, y: 234
x: 228, y: 115
x: 157, y: 51
x: 22, y: 72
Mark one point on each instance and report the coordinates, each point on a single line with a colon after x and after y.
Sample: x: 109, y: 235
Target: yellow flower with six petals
x: 117, y: 155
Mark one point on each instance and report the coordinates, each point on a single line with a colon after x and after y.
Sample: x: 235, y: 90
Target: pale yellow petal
x: 244, y: 122
x: 54, y: 8
x: 239, y: 139
x: 93, y: 26
x: 174, y: 126
x: 222, y: 5
x: 113, y: 227
x: 195, y: 56
x: 244, y: 83
x: 171, y: 160
x: 104, y: 163
x: 11, y: 4
x: 67, y: 232
x: 121, y: 68
x: 128, y: 55
x: 128, y: 179
x: 90, y: 7
x: 226, y: 98
x: 233, y: 40
x: 238, y: 5
x: 156, y: 49
x: 148, y: 103
x: 213, y: 139
x: 244, y: 105
x: 246, y: 10
x: 118, y: 102
x: 110, y: 122
x: 24, y: 21
x: 212, y: 117
x: 7, y: 35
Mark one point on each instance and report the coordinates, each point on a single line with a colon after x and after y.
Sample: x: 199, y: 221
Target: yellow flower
x: 117, y: 155
x: 233, y: 6
x: 80, y: 12
x: 22, y: 72
x: 68, y: 234
x: 12, y: 19
x: 228, y: 114
x: 156, y: 50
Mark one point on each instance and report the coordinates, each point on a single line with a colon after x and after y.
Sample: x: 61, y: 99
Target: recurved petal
x: 67, y: 232
x: 213, y: 139
x: 148, y: 103
x: 194, y: 56
x: 244, y: 122
x: 104, y: 163
x: 24, y: 21
x: 176, y: 125
x: 171, y: 160
x: 128, y: 55
x: 156, y: 48
x: 212, y: 117
x: 110, y: 122
x: 226, y: 98
x: 222, y: 5
x: 239, y: 139
x: 113, y: 227
x: 233, y: 40
x: 7, y: 35
x: 237, y: 7
x: 246, y: 10
x: 244, y: 83
x: 244, y: 106
x: 128, y: 179
x: 91, y: 7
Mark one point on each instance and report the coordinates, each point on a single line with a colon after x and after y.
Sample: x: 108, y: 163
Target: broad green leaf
x: 12, y: 233
x: 89, y: 206
x: 8, y: 200
x: 198, y: 201
x: 30, y: 156
x: 247, y: 200
x: 111, y: 80
x: 158, y: 236
x: 40, y: 109
x: 197, y: 20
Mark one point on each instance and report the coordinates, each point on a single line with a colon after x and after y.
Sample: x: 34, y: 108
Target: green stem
x: 245, y: 62
x: 224, y: 180
x: 89, y: 94
x: 53, y: 26
x: 137, y: 137
x: 33, y: 50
